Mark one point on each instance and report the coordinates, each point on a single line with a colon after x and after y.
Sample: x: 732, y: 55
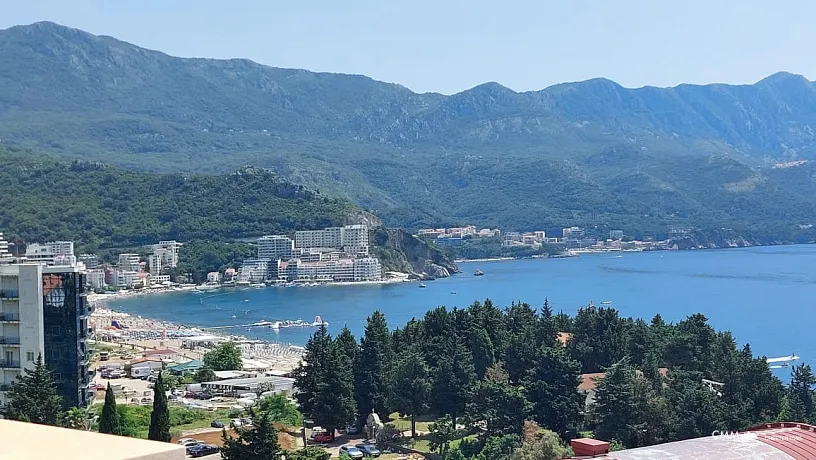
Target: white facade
x: 167, y: 252
x: 367, y: 269
x: 254, y: 271
x: 129, y: 262
x: 21, y: 321
x: 352, y: 239
x: 96, y: 278
x: 154, y: 262
x: 213, y: 277
x: 275, y: 247
x: 51, y: 252
x: 126, y: 278
x: 160, y: 279
x: 333, y: 270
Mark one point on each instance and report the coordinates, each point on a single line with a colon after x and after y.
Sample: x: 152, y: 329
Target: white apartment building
x: 96, y: 278
x: 275, y: 247
x: 367, y: 269
x: 333, y: 270
x: 43, y: 312
x: 167, y: 252
x: 154, y: 263
x: 128, y: 262
x: 352, y: 239
x: 159, y: 279
x: 254, y: 271
x: 51, y: 252
x: 213, y: 277
x: 5, y: 255
x: 125, y: 278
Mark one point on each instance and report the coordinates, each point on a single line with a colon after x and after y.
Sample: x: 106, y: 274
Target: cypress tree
x: 109, y: 419
x: 33, y: 397
x: 374, y: 373
x: 160, y: 417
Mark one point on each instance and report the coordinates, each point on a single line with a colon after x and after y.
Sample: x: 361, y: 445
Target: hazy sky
x: 450, y: 45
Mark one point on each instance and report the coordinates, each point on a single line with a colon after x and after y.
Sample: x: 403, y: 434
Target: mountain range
x: 589, y: 153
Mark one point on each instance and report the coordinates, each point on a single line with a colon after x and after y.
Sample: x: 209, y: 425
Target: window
x: 30, y: 356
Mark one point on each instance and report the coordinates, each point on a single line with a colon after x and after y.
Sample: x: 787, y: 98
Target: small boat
x: 422, y: 285
x: 246, y: 300
x: 606, y: 302
x: 453, y: 292
x: 319, y: 322
x: 478, y: 272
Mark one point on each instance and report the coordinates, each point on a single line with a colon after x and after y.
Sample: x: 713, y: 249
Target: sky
x: 447, y: 46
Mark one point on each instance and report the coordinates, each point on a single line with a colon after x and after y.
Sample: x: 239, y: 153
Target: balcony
x: 9, y: 364
x: 9, y: 294
x: 7, y: 340
x: 9, y: 318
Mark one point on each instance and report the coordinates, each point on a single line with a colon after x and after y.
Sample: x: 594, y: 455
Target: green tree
x: 453, y: 381
x: 696, y: 409
x: 309, y: 453
x: 280, y: 409
x: 109, y: 419
x: 76, y: 418
x: 374, y: 380
x: 546, y: 446
x: 499, y: 404
x: 801, y: 384
x: 627, y: 408
x: 552, y: 389
x: 204, y: 374
x: 160, y: 417
x: 793, y: 410
x: 522, y: 324
x: 441, y: 434
x: 412, y: 386
x: 348, y: 345
x: 499, y: 447
x: 258, y: 443
x: 226, y: 356
x: 33, y: 397
x: 325, y: 383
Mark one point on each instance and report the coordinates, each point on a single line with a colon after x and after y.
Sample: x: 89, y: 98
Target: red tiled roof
x: 795, y: 439
x: 773, y: 441
x: 590, y: 381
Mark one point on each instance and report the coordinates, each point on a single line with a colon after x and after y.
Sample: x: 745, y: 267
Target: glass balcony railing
x: 9, y: 317
x: 4, y: 364
x: 7, y: 340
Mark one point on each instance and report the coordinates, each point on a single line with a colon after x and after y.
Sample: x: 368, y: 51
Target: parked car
x: 217, y: 424
x: 236, y: 423
x: 246, y: 421
x: 202, y: 450
x: 316, y: 430
x: 323, y: 437
x: 352, y: 429
x: 187, y: 441
x: 369, y: 450
x: 352, y: 451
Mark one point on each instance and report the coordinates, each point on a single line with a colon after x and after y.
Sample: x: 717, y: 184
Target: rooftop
x: 774, y: 441
x: 66, y: 444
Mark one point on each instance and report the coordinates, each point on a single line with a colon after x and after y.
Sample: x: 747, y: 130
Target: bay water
x: 763, y: 295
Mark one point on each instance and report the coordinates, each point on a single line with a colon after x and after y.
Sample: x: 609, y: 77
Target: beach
x: 188, y: 343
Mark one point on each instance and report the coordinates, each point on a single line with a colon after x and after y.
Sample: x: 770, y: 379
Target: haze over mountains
x: 587, y: 153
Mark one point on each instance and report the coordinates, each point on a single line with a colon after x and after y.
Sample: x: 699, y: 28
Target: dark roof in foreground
x: 774, y: 441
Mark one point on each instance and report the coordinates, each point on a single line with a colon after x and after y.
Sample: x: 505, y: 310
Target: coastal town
x: 572, y: 240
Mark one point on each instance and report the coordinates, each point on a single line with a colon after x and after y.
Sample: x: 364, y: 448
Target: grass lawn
x: 404, y: 423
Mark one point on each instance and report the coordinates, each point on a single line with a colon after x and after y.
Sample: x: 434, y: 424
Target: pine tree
x: 109, y: 419
x: 325, y: 382
x: 801, y: 384
x: 160, y: 417
x: 500, y: 404
x: 258, y: 443
x: 374, y: 382
x: 33, y: 397
x: 412, y: 386
x: 552, y: 389
x: 348, y: 345
x: 793, y: 410
x: 453, y: 381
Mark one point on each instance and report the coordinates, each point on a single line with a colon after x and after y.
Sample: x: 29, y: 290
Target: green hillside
x: 590, y: 153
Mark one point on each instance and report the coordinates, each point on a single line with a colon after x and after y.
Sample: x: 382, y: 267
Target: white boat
x: 606, y: 302
x: 319, y: 322
x: 258, y: 285
x: 422, y: 285
x: 782, y: 359
x: 207, y: 287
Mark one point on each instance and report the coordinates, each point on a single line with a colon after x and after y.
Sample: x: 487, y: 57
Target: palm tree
x: 76, y: 418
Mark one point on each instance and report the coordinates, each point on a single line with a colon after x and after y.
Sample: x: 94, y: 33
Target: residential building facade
x: 129, y: 262
x: 275, y: 247
x: 50, y: 252
x: 43, y: 311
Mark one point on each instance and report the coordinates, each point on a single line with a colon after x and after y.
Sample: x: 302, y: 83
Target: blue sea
x: 763, y: 295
